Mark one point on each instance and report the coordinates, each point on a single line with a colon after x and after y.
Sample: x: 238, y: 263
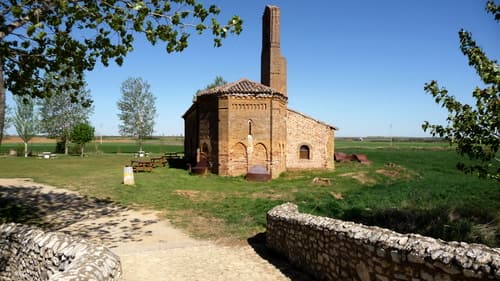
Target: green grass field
x: 409, y: 187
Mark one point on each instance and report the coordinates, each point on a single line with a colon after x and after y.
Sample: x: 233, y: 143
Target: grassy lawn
x: 409, y: 187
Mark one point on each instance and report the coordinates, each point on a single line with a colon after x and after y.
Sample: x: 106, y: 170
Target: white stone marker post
x: 128, y: 175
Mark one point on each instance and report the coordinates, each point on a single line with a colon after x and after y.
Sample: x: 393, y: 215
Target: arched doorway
x: 238, y: 160
x: 259, y: 156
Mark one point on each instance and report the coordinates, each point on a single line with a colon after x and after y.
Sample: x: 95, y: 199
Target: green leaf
x: 16, y: 11
x: 119, y: 61
x: 176, y: 19
x: 214, y: 10
x: 41, y: 35
x: 30, y: 30
x: 138, y: 6
x: 25, y: 44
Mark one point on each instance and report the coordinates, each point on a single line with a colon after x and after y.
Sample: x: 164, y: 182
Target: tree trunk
x: 82, y: 147
x: 25, y: 149
x: 140, y: 144
x: 2, y: 101
x: 66, y: 146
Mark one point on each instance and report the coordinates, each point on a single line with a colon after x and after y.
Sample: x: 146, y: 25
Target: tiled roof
x: 243, y: 87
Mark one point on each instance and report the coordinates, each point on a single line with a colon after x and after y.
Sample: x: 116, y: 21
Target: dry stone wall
x: 331, y: 249
x: 28, y: 253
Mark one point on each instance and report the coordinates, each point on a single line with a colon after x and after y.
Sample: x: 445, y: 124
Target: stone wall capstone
x: 331, y: 249
x: 28, y: 253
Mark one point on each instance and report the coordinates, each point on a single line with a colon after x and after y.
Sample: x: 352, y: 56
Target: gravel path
x: 149, y: 247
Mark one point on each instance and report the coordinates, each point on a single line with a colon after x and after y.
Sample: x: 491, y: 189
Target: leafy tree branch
x: 473, y: 129
x: 70, y: 36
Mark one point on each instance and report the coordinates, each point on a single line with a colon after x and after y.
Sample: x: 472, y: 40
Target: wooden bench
x: 141, y: 166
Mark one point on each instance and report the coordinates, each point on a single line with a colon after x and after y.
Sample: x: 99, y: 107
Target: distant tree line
x: 55, y: 116
x: 58, y: 117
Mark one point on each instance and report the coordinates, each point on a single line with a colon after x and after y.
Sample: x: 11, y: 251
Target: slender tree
x: 25, y: 120
x: 38, y: 37
x: 475, y: 130
x: 59, y: 114
x: 8, y: 119
x: 218, y: 81
x: 137, y: 110
x: 82, y: 133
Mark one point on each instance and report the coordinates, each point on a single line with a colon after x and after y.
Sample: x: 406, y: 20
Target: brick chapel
x: 245, y: 125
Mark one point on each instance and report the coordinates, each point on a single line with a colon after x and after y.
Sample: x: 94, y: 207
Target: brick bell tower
x: 273, y: 64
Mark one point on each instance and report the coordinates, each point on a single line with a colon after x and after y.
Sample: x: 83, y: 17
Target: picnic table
x: 175, y: 159
x: 141, y: 165
x: 159, y: 161
x: 174, y: 155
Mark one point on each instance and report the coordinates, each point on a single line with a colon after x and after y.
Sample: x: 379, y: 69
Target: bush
x: 20, y: 150
x: 60, y: 147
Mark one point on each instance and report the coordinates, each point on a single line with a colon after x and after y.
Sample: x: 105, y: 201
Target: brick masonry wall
x: 191, y: 138
x: 240, y: 132
x: 331, y: 249
x: 303, y: 130
x: 208, y: 128
x: 262, y: 146
x: 28, y: 253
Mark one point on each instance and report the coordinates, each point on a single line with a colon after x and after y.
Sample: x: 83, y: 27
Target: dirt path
x: 149, y: 248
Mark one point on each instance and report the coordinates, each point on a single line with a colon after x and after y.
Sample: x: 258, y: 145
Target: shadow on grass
x: 94, y: 219
x: 445, y: 213
x: 258, y: 243
x: 464, y: 224
x: 459, y: 223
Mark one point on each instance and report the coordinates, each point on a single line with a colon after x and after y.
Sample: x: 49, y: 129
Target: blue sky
x: 359, y: 65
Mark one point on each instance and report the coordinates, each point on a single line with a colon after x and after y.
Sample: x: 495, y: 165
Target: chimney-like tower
x: 272, y: 65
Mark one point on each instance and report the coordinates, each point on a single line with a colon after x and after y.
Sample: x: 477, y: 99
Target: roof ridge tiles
x: 242, y: 86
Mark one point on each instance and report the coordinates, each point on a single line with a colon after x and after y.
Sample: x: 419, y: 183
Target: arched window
x: 304, y: 152
x: 249, y: 127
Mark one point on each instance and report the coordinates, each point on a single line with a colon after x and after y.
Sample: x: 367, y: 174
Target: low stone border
x: 331, y: 249
x: 28, y: 253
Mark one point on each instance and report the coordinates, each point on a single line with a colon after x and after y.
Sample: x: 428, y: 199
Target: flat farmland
x: 408, y: 187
